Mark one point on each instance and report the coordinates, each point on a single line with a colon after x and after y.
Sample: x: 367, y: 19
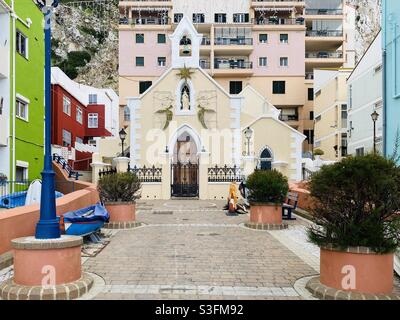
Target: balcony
x: 229, y: 67
x: 278, y: 21
x: 238, y: 46
x: 145, y: 3
x: 298, y: 4
x: 326, y: 59
x: 144, y: 21
x: 324, y: 33
x: 326, y: 14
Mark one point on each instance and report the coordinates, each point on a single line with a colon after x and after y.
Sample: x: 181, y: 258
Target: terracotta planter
x: 266, y: 213
x: 357, y: 269
x: 121, y: 211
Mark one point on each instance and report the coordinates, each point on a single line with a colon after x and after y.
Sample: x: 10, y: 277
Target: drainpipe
x: 384, y: 99
x: 13, y: 95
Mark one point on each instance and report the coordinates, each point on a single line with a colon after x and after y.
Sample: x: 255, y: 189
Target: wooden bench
x: 289, y: 206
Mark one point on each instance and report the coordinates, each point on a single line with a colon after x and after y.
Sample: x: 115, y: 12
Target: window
x: 144, y: 85
x: 220, y: 18
x: 22, y: 110
x: 284, y: 62
x: 278, y: 87
x: 235, y: 87
x: 178, y: 17
x: 266, y: 160
x: 139, y: 61
x: 351, y: 96
x: 161, y: 38
x: 161, y: 61
x: 263, y: 38
x: 67, y: 138
x: 344, y: 145
x: 198, y: 17
x: 344, y: 116
x: 310, y: 94
x: 240, y: 17
x: 311, y: 115
x: 79, y: 114
x: 66, y: 105
x: 127, y: 114
x: 21, y: 173
x: 92, y: 98
x: 139, y: 38
x: 284, y: 38
x: 93, y: 120
x: 22, y: 44
x: 309, y: 136
x: 360, y: 152
x: 79, y: 140
x: 262, y: 61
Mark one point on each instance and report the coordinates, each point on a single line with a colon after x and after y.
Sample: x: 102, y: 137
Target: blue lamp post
x: 48, y: 225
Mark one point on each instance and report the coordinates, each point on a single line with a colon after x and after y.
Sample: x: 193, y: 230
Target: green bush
x: 267, y: 186
x: 119, y: 187
x: 357, y: 202
x: 318, y: 152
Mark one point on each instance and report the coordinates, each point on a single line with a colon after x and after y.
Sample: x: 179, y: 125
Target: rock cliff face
x: 85, y: 43
x: 368, y: 22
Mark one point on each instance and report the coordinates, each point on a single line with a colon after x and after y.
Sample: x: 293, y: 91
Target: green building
x: 22, y: 116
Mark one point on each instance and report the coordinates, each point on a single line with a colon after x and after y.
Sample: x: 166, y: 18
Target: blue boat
x: 85, y: 221
x: 17, y: 199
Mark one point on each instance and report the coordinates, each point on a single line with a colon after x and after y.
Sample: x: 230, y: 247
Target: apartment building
x: 21, y: 90
x: 274, y: 46
x: 365, y: 96
x: 331, y: 112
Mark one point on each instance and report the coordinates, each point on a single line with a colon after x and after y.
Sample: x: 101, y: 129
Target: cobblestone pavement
x: 194, y: 250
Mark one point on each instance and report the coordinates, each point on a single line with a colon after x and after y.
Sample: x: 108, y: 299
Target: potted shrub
x: 119, y: 192
x: 267, y: 192
x: 318, y: 153
x: 357, y: 223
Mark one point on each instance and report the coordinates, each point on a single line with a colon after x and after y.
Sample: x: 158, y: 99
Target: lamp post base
x: 48, y: 229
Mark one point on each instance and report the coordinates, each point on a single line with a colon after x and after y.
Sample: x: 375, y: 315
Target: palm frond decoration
x: 168, y: 115
x: 201, y: 113
x: 185, y: 73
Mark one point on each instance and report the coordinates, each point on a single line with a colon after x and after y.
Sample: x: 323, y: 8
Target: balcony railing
x: 144, y: 21
x: 205, y: 41
x: 233, y: 64
x: 205, y: 64
x: 309, y: 76
x: 278, y: 0
x: 286, y: 117
x: 233, y: 41
x: 324, y: 55
x: 278, y: 21
x: 324, y: 12
x: 324, y: 33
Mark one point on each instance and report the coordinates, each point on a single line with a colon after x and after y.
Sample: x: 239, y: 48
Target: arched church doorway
x: 185, y: 167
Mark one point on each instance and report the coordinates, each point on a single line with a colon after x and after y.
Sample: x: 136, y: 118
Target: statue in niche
x: 185, y: 99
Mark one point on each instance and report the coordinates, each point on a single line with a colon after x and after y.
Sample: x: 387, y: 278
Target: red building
x: 73, y: 121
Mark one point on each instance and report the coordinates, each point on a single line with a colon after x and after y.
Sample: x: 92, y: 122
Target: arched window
x: 185, y: 97
x: 127, y: 114
x: 266, y: 159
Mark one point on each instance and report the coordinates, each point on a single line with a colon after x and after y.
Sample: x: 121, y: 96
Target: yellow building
x: 331, y: 112
x: 190, y: 138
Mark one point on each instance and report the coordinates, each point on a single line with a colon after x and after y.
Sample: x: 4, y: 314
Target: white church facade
x: 191, y: 138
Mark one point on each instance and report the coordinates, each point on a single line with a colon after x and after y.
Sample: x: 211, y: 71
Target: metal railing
x: 233, y: 64
x: 278, y: 21
x: 107, y: 171
x: 324, y: 12
x: 285, y: 118
x: 325, y: 55
x: 144, y: 21
x: 224, y: 174
x: 151, y: 174
x: 233, y: 41
x: 64, y: 163
x: 306, y: 174
x: 324, y: 33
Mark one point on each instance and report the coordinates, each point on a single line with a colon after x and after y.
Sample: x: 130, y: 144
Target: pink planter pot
x: 357, y: 269
x: 121, y: 211
x: 265, y: 213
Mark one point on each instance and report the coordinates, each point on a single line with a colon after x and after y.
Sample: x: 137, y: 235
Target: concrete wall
x: 21, y: 222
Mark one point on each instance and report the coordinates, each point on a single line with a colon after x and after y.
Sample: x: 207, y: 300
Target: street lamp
x: 48, y: 226
x: 374, y: 117
x: 248, y: 134
x: 122, y: 136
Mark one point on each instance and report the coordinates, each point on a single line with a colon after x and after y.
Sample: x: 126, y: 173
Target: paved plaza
x: 194, y: 250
